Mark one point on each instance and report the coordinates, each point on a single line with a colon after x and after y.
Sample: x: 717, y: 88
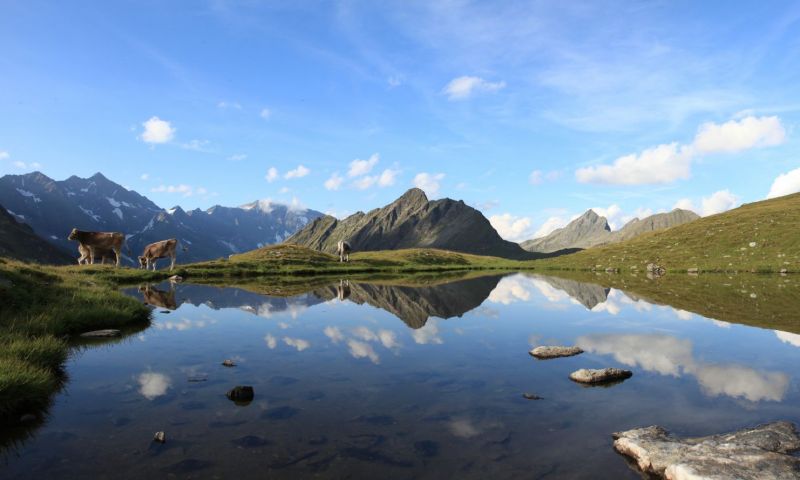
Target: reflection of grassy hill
x: 716, y: 243
x: 766, y: 301
x: 38, y: 306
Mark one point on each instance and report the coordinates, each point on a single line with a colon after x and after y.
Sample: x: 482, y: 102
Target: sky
x: 532, y: 112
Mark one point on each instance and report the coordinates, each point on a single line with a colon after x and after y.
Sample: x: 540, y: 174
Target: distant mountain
x: 222, y: 231
x: 18, y: 241
x: 411, y: 221
x: 591, y: 230
x: 52, y: 208
x: 414, y: 305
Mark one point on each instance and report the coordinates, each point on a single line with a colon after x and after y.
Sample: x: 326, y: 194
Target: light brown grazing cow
x: 103, y: 254
x: 154, y: 251
x: 96, y: 242
x: 159, y: 298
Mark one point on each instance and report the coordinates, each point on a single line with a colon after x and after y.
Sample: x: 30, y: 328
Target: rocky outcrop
x: 411, y: 221
x: 591, y: 230
x: 416, y: 304
x: 18, y: 241
x: 762, y: 452
x: 545, y: 352
x: 598, y: 376
x: 585, y: 231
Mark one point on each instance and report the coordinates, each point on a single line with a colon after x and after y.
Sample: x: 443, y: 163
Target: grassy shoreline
x: 40, y: 308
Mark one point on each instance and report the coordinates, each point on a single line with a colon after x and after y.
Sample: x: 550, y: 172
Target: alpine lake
x: 416, y: 377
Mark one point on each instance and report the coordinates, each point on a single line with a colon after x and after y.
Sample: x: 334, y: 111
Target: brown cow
x: 84, y: 252
x: 159, y: 298
x: 154, y: 251
x: 96, y: 242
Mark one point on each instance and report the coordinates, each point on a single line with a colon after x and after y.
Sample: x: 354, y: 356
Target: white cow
x: 343, y: 249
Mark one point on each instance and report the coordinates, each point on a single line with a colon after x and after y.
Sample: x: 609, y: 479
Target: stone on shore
x: 602, y: 375
x: 175, y: 279
x: 106, y: 333
x: 554, y: 351
x: 759, y: 452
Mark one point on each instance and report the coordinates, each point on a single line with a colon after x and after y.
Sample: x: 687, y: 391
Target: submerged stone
x: 545, y: 351
x: 160, y: 437
x: 241, y: 393
x: 759, y: 452
x: 105, y: 333
x: 531, y: 396
x: 602, y: 375
x: 228, y: 363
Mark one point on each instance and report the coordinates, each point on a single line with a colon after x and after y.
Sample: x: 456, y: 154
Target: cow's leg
x: 154, y: 264
x: 91, y: 255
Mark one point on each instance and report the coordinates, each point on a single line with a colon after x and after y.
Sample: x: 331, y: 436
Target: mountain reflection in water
x: 415, y: 377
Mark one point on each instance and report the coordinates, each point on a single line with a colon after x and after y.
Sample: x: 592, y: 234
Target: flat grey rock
x: 108, y: 332
x: 546, y: 351
x: 602, y: 375
x: 762, y: 452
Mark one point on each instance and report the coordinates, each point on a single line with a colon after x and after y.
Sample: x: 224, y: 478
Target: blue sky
x: 531, y: 111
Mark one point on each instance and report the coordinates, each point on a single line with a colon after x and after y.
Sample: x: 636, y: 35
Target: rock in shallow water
x: 602, y: 375
x: 545, y: 351
x: 753, y: 453
x: 160, y: 437
x: 241, y: 393
x: 108, y: 332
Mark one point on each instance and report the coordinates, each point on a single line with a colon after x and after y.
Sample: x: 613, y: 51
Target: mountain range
x: 53, y: 208
x: 411, y: 221
x: 18, y: 241
x: 591, y: 230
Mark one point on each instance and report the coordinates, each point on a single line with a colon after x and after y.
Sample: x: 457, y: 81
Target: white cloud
x: 297, y: 343
x: 183, y: 189
x: 662, y: 164
x: 511, y: 290
x: 157, y: 131
x: 237, y: 157
x: 388, y: 339
x: 429, y: 334
x: 145, y: 176
x: 271, y: 341
x: 234, y: 105
x: 537, y: 177
x: 153, y: 385
x: 429, y: 182
x: 685, y: 204
x: 335, y: 182
x: 365, y: 334
x: 738, y: 135
x: 463, y: 428
x: 388, y: 177
x: 363, y: 350
x: 362, y: 167
x: 785, y: 184
x: 265, y: 113
x: 667, y: 163
x: 196, y: 145
x: 719, y: 202
x: 272, y: 174
x: 549, y: 225
x: 790, y: 338
x: 4, y: 155
x: 334, y: 334
x: 511, y: 227
x: 463, y: 87
x: 284, y: 190
x: 298, y: 172
x: 27, y: 166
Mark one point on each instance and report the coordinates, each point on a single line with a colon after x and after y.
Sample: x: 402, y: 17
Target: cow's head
x: 72, y: 234
x: 142, y: 262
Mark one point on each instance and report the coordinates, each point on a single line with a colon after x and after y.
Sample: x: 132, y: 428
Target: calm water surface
x: 360, y: 380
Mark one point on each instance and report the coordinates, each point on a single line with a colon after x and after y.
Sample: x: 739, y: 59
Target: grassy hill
x: 761, y: 237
